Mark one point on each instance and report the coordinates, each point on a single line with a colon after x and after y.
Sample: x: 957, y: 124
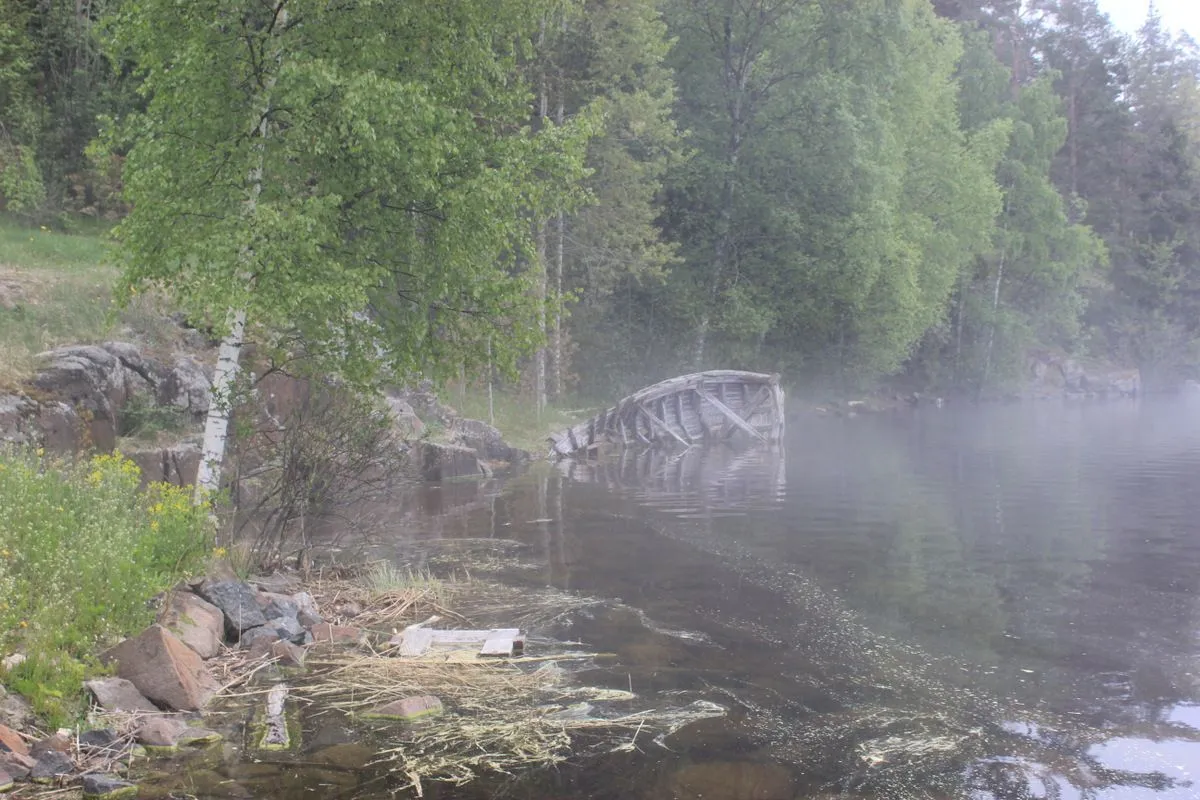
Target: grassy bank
x: 515, y: 416
x: 82, y: 551
x: 55, y: 288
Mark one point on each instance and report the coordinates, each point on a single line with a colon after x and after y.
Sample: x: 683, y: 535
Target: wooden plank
x: 748, y: 410
x: 679, y: 414
x: 413, y: 642
x: 473, y: 637
x: 731, y: 415
x: 497, y: 648
x: 655, y: 421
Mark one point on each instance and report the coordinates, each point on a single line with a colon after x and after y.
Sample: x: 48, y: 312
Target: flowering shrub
x: 82, y: 552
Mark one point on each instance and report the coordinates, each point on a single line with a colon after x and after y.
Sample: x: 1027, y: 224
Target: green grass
x: 57, y: 289
x: 516, y: 416
x: 82, y: 550
x: 41, y: 248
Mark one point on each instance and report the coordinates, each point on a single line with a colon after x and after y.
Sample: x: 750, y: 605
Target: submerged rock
x: 439, y: 462
x: 168, y: 732
x: 160, y: 731
x: 109, y: 786
x: 349, y: 756
x: 408, y: 709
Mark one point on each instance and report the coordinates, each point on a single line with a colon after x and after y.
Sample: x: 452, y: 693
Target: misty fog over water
x: 992, y: 602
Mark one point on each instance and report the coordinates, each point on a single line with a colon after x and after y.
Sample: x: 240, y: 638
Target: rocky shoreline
x: 1048, y: 378
x: 164, y: 678
x: 84, y: 396
x: 211, y: 635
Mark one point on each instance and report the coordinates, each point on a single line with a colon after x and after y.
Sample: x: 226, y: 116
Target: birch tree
x: 352, y: 179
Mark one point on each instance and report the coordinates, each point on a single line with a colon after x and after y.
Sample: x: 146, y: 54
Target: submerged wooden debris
x: 416, y: 641
x: 712, y: 478
x: 718, y: 405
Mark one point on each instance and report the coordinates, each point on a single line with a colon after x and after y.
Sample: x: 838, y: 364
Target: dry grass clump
x: 501, y: 715
x: 383, y: 597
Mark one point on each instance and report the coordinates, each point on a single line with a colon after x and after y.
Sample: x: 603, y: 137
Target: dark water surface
x: 979, y: 603
x: 986, y: 603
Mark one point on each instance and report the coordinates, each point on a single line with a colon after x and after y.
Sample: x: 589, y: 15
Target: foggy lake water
x: 992, y: 602
x: 996, y: 602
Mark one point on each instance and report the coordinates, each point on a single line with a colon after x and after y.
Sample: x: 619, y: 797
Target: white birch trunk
x: 991, y: 340
x: 220, y: 408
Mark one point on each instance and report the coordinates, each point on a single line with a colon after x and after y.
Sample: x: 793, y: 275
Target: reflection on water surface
x: 976, y: 603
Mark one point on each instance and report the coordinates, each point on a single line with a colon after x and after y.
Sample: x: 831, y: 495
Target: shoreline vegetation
x: 486, y: 715
x: 83, y: 550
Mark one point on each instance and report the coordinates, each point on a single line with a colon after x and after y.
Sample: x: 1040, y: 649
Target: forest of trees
x: 843, y: 191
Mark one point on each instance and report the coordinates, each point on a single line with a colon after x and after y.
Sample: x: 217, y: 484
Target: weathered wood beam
x: 731, y: 415
x: 748, y: 411
x: 679, y: 412
x: 681, y: 428
x: 656, y: 422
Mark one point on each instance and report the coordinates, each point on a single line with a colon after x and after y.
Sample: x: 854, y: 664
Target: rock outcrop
x: 1051, y: 374
x: 445, y: 445
x: 177, y: 464
x: 76, y: 400
x: 438, y: 461
x: 485, y: 440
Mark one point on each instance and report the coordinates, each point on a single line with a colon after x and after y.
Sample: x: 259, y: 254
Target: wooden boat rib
x: 717, y: 405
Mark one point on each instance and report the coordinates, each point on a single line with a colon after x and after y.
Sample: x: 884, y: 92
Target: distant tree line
x: 843, y: 191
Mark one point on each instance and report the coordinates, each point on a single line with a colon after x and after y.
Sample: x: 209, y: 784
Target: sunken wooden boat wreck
x: 719, y: 405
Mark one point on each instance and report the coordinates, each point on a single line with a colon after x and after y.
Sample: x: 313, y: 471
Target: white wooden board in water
x: 418, y: 641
